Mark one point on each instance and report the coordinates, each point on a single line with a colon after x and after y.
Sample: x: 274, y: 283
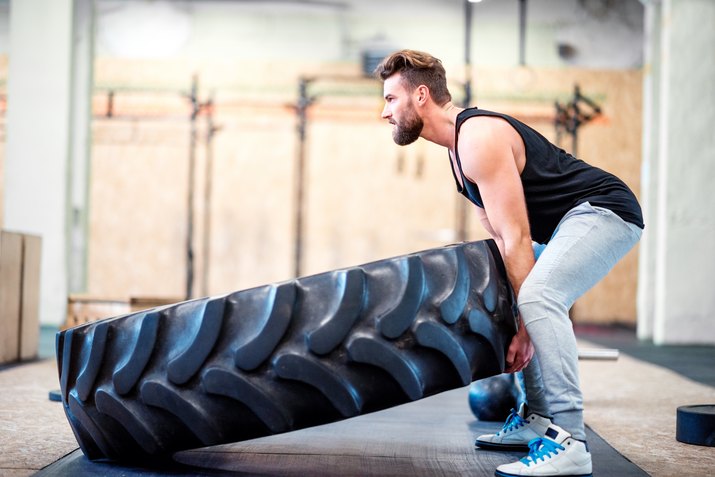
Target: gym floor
x: 630, y: 411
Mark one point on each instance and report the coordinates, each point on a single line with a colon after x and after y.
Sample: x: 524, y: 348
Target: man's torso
x: 553, y: 180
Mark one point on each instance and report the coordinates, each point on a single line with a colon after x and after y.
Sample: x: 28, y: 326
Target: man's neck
x: 440, y: 123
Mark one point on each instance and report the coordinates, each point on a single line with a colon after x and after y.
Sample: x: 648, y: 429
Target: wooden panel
x: 83, y: 309
x: 10, y: 273
x: 138, y: 303
x: 30, y: 301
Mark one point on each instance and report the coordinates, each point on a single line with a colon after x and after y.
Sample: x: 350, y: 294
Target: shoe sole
x: 286, y: 356
x: 501, y: 447
x: 504, y: 474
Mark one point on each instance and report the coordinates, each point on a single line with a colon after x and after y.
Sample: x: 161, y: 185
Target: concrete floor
x: 629, y: 403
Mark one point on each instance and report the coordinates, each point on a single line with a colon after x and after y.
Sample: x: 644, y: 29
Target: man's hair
x: 417, y: 68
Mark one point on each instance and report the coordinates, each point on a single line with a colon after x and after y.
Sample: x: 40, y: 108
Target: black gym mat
x: 430, y: 437
x: 692, y: 361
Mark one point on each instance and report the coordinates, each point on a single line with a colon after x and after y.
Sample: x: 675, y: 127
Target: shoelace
x: 514, y: 421
x: 540, y: 448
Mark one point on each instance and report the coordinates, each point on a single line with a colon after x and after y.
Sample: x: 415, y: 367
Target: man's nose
x: 385, y: 113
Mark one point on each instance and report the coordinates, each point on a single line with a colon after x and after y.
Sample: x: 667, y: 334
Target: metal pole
x: 576, y: 121
x: 110, y: 103
x: 190, y: 199
x: 302, y: 108
x: 210, y: 131
x: 606, y: 354
x: 522, y: 32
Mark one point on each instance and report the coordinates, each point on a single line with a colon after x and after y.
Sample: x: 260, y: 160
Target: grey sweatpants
x: 588, y: 242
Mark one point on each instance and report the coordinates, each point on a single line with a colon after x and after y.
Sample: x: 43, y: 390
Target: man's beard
x: 409, y: 130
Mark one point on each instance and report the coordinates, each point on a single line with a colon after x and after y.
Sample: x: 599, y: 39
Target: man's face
x: 401, y: 112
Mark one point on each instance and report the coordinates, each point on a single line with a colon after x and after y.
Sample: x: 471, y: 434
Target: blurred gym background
x: 153, y: 151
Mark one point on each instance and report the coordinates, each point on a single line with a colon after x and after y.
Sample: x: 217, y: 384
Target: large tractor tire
x: 288, y: 355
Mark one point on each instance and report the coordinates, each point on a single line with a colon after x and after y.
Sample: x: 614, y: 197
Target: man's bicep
x: 504, y: 202
x: 484, y: 220
x: 503, y: 195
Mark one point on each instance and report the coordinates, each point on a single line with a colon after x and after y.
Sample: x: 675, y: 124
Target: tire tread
x: 287, y: 355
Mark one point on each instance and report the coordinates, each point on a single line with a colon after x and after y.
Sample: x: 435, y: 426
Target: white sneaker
x: 516, y: 432
x: 555, y: 454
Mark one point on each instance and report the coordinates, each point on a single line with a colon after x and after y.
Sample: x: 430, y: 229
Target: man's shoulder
x: 486, y: 130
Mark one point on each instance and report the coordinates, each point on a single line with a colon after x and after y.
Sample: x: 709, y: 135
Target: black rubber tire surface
x: 288, y: 355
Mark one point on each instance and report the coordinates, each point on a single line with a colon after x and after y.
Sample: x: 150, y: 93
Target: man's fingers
x: 518, y: 355
x: 510, y: 357
x: 512, y: 362
x: 517, y: 365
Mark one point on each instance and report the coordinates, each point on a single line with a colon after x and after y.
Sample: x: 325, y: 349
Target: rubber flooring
x: 430, y: 437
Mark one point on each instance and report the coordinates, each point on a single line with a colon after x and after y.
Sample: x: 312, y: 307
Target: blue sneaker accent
x: 540, y: 449
x: 516, y: 432
x: 514, y: 421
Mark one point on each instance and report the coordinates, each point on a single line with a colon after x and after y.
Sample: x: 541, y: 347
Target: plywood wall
x: 3, y: 111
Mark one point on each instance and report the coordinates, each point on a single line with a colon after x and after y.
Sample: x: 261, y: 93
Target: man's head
x: 411, y: 78
x: 417, y: 68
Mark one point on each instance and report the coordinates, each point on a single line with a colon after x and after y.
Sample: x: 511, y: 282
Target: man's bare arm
x: 488, y: 159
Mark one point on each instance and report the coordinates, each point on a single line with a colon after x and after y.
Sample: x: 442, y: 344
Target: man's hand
x: 520, y: 351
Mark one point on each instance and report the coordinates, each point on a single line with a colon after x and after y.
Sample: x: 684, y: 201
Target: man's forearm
x: 518, y: 258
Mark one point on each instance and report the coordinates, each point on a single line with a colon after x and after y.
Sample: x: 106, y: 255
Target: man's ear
x: 422, y: 94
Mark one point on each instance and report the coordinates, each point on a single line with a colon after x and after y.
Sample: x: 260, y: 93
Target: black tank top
x: 554, y: 181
